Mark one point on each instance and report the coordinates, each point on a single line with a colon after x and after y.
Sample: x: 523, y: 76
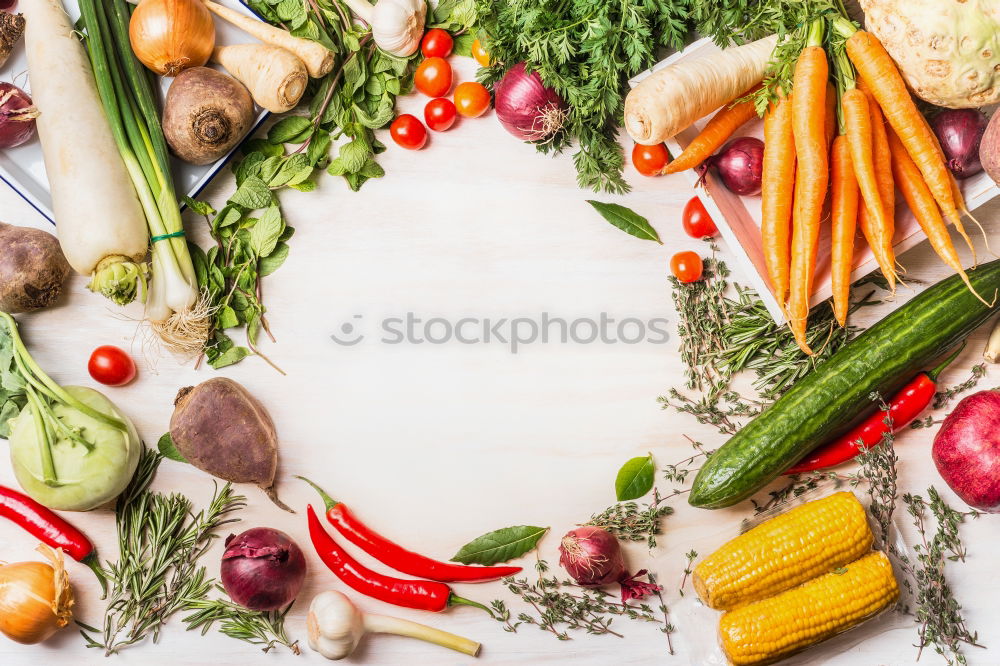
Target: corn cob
x: 769, y: 630
x: 785, y: 551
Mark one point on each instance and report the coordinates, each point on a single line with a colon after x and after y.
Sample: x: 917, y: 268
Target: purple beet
x: 967, y: 450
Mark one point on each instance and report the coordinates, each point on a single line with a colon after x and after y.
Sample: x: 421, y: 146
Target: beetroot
x: 967, y: 450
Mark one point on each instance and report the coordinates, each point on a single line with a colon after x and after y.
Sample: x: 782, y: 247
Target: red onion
x: 7, y: 5
x: 526, y: 107
x: 740, y: 164
x: 17, y: 116
x: 262, y: 569
x: 593, y: 557
x: 960, y: 132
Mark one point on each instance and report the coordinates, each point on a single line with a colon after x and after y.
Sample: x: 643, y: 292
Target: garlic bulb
x: 397, y: 25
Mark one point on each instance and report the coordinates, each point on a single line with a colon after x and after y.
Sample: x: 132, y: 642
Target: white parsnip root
x: 276, y: 78
x: 671, y: 99
x: 317, y: 58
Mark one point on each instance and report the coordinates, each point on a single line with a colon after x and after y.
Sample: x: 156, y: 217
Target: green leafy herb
x: 635, y: 478
x: 160, y: 540
x: 560, y: 606
x: 627, y: 220
x: 586, y: 51
x: 689, y: 558
x: 943, y: 398
x: 168, y: 450
x: 264, y: 628
x: 500, y: 545
x: 631, y: 522
x: 797, y: 485
x: 878, y: 469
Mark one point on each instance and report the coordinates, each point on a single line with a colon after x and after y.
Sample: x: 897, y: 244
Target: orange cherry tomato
x: 480, y: 54
x: 439, y: 114
x: 696, y: 220
x: 471, y: 99
x: 433, y: 77
x: 650, y: 160
x: 686, y: 266
x: 407, y: 131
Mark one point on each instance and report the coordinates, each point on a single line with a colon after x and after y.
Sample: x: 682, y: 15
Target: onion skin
x: 169, y: 36
x: 960, y: 133
x: 740, y: 164
x: 262, y: 569
x: 36, y: 599
x: 526, y: 107
x: 17, y: 116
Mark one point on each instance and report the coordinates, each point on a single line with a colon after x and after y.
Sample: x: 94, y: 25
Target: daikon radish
x: 276, y: 78
x: 99, y: 221
x: 671, y: 99
x: 317, y: 58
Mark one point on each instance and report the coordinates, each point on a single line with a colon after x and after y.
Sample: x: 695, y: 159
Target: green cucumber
x: 829, y: 400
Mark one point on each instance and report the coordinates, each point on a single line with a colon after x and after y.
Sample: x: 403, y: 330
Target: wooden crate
x: 738, y: 218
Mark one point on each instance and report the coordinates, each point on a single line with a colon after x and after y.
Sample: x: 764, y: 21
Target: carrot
x: 880, y: 73
x: 811, y: 177
x: 844, y: 200
x: 777, y: 186
x: 925, y: 208
x: 722, y: 125
x: 877, y: 223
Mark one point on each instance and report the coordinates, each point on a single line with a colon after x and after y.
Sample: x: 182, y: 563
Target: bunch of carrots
x: 869, y: 140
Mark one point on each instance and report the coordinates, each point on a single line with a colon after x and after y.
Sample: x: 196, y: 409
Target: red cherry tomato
x: 686, y: 266
x: 433, y: 77
x: 471, y: 99
x: 111, y: 366
x: 436, y: 43
x: 439, y: 114
x: 696, y: 220
x: 408, y: 132
x: 649, y: 160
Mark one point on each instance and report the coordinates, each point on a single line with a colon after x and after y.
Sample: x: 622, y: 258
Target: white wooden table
x: 436, y: 444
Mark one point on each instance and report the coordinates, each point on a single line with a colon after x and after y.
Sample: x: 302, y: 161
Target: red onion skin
x: 262, y: 569
x: 740, y: 164
x: 960, y: 131
x: 592, y: 557
x: 525, y: 107
x: 17, y: 116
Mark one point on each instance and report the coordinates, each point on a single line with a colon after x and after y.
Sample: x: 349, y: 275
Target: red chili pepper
x: 396, y: 556
x: 905, y: 406
x: 49, y: 528
x: 420, y: 594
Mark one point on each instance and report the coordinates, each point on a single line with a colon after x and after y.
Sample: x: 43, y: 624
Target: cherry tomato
x: 433, y: 77
x: 408, y: 132
x: 696, y: 220
x: 111, y: 366
x: 686, y: 266
x: 439, y: 114
x: 649, y: 160
x: 471, y: 99
x: 480, y: 54
x: 436, y: 43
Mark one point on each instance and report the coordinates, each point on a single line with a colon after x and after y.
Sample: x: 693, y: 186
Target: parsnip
x: 672, y: 98
x: 317, y: 58
x: 276, y: 78
x: 98, y: 217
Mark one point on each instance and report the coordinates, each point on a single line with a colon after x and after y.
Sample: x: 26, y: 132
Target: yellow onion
x: 169, y: 36
x: 36, y: 599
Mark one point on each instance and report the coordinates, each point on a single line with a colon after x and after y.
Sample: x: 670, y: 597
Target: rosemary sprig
x: 562, y: 606
x: 943, y: 398
x: 266, y: 628
x: 631, y: 522
x: 160, y: 542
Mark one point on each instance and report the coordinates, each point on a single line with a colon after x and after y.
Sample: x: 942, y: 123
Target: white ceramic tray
x: 738, y: 218
x: 22, y: 168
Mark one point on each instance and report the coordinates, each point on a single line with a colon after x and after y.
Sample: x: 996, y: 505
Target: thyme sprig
x: 160, y: 542
x: 264, y: 628
x: 630, y: 521
x: 943, y: 398
x: 878, y: 470
x: 561, y: 606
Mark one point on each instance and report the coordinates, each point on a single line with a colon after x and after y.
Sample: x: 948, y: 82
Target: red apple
x: 967, y: 450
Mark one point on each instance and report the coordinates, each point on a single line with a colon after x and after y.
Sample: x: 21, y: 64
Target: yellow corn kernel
x: 785, y: 551
x: 771, y: 629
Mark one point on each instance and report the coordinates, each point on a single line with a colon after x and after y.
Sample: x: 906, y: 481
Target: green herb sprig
x: 630, y: 521
x: 263, y: 628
